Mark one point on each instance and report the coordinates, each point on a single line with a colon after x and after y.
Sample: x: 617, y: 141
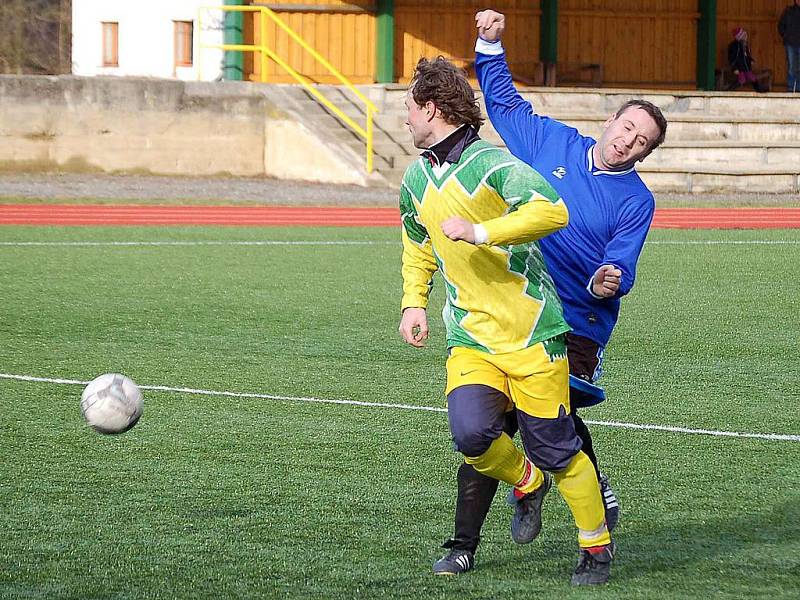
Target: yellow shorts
x: 535, y: 381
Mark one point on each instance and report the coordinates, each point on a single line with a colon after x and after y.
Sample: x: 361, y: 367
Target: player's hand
x: 606, y: 280
x: 457, y: 228
x: 490, y: 24
x: 414, y: 326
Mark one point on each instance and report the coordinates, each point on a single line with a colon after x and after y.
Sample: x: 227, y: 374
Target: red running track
x: 260, y: 216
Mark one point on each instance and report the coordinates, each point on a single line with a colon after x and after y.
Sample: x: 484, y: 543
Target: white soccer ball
x: 112, y: 403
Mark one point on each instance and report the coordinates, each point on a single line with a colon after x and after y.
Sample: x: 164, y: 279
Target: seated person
x: 741, y: 61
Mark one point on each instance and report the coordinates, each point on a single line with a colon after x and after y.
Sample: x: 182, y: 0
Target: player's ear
x: 647, y: 152
x: 430, y: 110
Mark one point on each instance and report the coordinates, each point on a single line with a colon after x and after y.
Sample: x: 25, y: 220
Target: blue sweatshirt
x: 609, y: 211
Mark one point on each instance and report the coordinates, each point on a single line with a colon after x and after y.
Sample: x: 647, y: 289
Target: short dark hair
x: 652, y: 110
x: 441, y: 82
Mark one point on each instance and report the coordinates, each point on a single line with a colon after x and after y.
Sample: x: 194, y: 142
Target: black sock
x: 475, y: 494
x: 586, y: 438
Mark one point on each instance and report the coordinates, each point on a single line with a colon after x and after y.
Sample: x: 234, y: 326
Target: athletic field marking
x: 162, y: 388
x: 213, y: 243
x: 342, y: 216
x: 762, y: 436
x: 719, y: 242
x: 23, y: 244
x: 618, y: 424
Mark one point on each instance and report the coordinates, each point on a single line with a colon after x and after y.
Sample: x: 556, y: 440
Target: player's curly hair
x: 441, y: 82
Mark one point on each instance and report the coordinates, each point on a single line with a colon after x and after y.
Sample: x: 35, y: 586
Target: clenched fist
x: 490, y: 25
x: 605, y: 282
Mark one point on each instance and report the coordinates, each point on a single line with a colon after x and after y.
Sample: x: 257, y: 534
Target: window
x: 110, y: 44
x: 183, y: 43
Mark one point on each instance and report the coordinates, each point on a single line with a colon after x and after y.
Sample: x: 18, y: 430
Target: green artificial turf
x: 213, y: 496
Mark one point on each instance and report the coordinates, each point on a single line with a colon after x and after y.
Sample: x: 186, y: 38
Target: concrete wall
x: 146, y: 38
x: 111, y: 124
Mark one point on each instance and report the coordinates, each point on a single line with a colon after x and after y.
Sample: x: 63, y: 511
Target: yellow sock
x: 505, y: 462
x: 532, y: 479
x: 578, y: 486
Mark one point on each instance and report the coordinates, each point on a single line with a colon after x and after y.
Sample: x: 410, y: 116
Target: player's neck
x: 441, y: 131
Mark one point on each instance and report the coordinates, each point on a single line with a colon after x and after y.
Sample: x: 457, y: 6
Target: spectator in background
x: 789, y: 28
x: 741, y: 61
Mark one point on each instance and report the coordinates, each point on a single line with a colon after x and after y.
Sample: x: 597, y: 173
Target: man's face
x: 626, y: 139
x: 418, y: 121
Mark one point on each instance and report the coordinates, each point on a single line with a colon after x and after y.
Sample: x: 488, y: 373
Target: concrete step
x: 388, y: 148
x: 396, y: 119
x: 739, y: 117
x: 606, y: 101
x: 688, y: 129
x: 683, y: 177
x: 761, y: 132
x: 768, y: 167
x: 354, y: 111
x: 723, y: 158
x: 784, y: 155
x: 726, y: 146
x: 719, y: 169
x: 716, y: 142
x: 394, y: 175
x: 563, y: 102
x: 699, y: 181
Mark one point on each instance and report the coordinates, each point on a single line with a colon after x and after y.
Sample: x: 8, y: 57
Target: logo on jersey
x: 560, y: 172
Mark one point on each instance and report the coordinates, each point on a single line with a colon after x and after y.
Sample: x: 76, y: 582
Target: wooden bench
x: 525, y: 72
x: 548, y: 74
x: 578, y: 73
x: 725, y: 79
x: 563, y: 73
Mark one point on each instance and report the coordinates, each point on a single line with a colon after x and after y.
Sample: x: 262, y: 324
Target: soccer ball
x: 111, y: 403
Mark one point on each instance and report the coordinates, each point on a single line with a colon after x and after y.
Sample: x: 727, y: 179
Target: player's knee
x: 552, y: 443
x: 474, y: 442
x: 476, y: 414
x: 555, y: 459
x: 471, y: 436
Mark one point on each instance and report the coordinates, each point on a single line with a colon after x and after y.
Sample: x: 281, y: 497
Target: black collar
x: 452, y: 147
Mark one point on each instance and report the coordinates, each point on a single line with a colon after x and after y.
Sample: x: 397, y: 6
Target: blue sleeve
x: 624, y: 248
x: 513, y: 117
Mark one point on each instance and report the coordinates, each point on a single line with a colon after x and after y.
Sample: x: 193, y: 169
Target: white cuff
x: 481, y: 235
x: 492, y: 48
x: 589, y: 289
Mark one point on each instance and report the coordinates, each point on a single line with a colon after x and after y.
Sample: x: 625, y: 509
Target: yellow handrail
x: 265, y: 52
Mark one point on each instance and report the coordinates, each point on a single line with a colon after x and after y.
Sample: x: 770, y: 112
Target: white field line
x: 721, y: 242
x: 22, y: 244
x: 617, y: 424
x: 212, y: 243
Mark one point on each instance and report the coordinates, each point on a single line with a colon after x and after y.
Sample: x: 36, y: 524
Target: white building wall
x: 146, y: 38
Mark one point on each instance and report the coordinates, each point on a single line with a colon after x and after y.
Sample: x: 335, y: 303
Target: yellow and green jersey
x: 500, y: 297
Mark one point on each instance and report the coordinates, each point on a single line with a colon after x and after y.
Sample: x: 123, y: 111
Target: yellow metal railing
x: 265, y: 53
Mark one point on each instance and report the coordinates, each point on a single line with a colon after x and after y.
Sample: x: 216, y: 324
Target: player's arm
x: 617, y: 273
x: 535, y: 209
x: 512, y: 116
x: 418, y: 267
